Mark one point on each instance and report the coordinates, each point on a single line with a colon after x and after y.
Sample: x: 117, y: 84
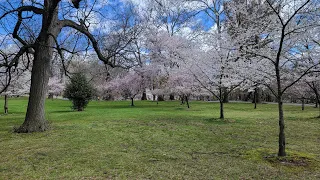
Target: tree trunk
x: 221, y: 110
x: 282, y: 141
x: 187, y: 101
x: 144, y: 95
x: 50, y: 96
x: 132, y: 102
x: 302, y: 104
x: 5, y: 104
x: 225, y: 95
x: 171, y: 97
x: 35, y: 117
x: 182, y: 100
x: 80, y: 108
x: 255, y: 98
x: 160, y: 98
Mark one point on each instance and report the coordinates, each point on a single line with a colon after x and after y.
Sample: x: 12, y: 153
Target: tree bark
x: 221, y: 110
x: 282, y: 141
x: 132, y: 102
x: 5, y: 104
x: 187, y: 101
x: 35, y: 117
x: 302, y: 104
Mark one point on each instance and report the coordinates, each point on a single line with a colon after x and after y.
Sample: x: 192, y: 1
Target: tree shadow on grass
x: 219, y: 121
x: 62, y: 111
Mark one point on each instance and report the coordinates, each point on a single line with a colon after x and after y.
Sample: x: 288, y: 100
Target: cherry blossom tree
x: 183, y: 86
x: 128, y: 86
x: 216, y: 68
x: 273, y: 43
x: 15, y: 80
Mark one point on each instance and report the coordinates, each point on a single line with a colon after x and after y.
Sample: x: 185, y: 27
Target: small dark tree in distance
x: 79, y: 91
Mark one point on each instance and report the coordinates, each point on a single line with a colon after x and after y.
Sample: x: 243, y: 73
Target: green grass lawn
x: 111, y: 140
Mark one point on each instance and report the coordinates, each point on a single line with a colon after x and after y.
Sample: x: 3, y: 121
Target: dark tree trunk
x: 182, y: 100
x: 50, y: 96
x: 225, y: 95
x: 80, y: 108
x: 5, y: 104
x: 160, y: 98
x: 153, y: 97
x: 187, y: 101
x: 171, y: 97
x: 255, y: 98
x: 144, y: 95
x: 132, y: 102
x: 221, y: 110
x: 35, y: 117
x: 302, y: 104
x: 282, y: 141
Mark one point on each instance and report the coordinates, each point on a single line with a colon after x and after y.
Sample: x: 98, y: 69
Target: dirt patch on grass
x: 293, y: 159
x: 289, y: 160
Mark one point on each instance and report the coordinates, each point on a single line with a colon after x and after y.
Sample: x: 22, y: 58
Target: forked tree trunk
x: 282, y: 141
x: 35, y: 117
x: 5, y: 104
x: 221, y: 110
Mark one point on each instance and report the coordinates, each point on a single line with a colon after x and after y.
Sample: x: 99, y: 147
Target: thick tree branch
x: 307, y: 71
x: 81, y: 28
x: 23, y: 9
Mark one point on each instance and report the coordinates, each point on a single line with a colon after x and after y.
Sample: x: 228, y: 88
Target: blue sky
x: 108, y: 12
